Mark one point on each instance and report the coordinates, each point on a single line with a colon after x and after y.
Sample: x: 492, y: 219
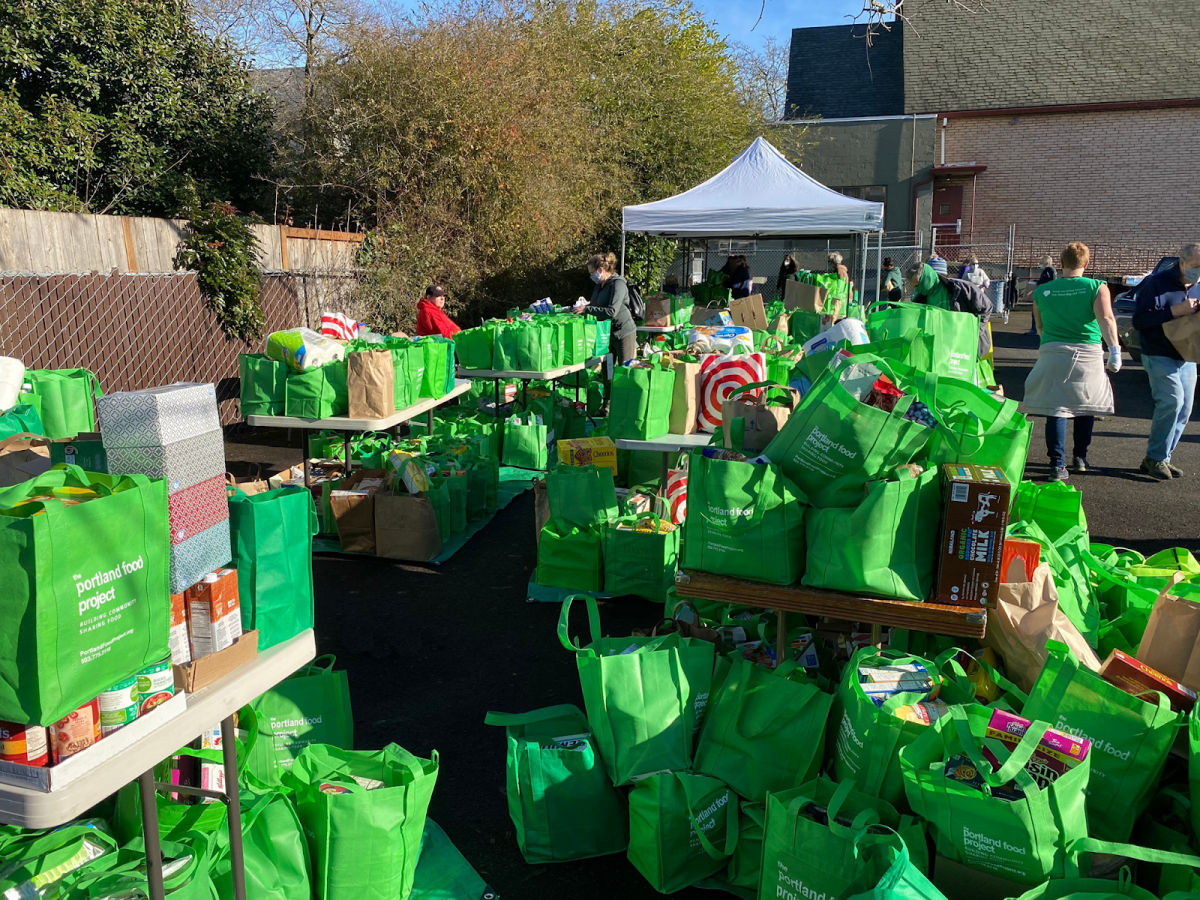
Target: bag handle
x: 863, y: 821
x: 731, y: 829
x: 766, y: 484
x: 1014, y: 767
x: 538, y: 715
x: 21, y: 438
x: 564, y: 618
x: 786, y: 714
x: 1079, y: 846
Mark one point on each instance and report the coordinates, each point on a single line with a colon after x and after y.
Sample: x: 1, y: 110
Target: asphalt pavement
x: 430, y: 650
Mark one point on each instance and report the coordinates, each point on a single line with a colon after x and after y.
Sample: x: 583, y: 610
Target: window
x: 944, y: 209
x: 746, y: 248
x: 876, y: 193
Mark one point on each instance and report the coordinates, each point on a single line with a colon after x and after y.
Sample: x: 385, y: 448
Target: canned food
x: 118, y: 705
x: 155, y: 685
x: 76, y: 731
x: 24, y: 744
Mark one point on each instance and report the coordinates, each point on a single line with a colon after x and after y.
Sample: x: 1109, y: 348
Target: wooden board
x: 960, y: 621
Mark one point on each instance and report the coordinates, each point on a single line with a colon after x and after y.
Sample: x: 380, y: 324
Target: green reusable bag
x: 408, y: 362
x: 478, y: 481
x: 524, y: 443
x: 900, y: 879
x: 570, y: 556
x: 909, y: 350
x: 21, y: 419
x: 955, y: 348
x: 187, y: 873
x: 745, y: 520
x: 456, y: 493
x: 1073, y: 886
x: 42, y: 863
x: 1131, y: 737
x: 271, y: 543
x: 803, y: 326
x: 884, y: 547
x: 85, y: 586
x: 1166, y: 563
x: 443, y: 873
x: 1023, y: 839
x: 764, y: 731
x: 980, y: 428
x: 581, y: 495
x: 603, y: 344
x: 66, y: 400
x: 536, y: 347
x: 833, y: 443
x: 818, y: 837
x: 573, y: 332
x: 682, y: 829
x: 326, y: 445
x: 474, y: 347
x: 1193, y: 725
x: 318, y: 393
x: 642, y: 705
x: 439, y: 499
x: 504, y: 346
x: 745, y: 866
x: 276, y: 852
x: 640, y: 402
x: 364, y: 843
x: 311, y: 706
x: 264, y: 383
x: 640, y: 562
x: 1056, y: 507
x: 1067, y: 557
x: 561, y: 803
x: 438, y: 378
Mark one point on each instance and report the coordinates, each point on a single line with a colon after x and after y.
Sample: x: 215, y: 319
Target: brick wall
x: 1119, y: 178
x: 832, y: 73
x: 1048, y: 52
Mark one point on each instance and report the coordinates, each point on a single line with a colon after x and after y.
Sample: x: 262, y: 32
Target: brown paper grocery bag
x: 805, y: 297
x: 701, y: 314
x: 1025, y: 617
x: 22, y: 457
x: 749, y: 311
x: 685, y: 397
x: 406, y: 528
x: 764, y: 417
x: 370, y: 382
x: 658, y: 311
x: 1171, y: 644
x: 354, y: 515
x: 1184, y: 334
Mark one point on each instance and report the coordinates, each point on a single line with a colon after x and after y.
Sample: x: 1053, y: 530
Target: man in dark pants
x: 1169, y: 294
x: 1048, y: 274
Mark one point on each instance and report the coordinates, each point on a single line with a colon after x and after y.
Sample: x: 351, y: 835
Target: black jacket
x: 1154, y: 298
x: 971, y: 298
x: 611, y: 301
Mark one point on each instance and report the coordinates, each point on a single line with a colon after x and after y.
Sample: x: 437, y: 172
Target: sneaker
x: 1156, y: 468
x: 1176, y: 472
x: 1062, y: 473
x: 1081, y: 464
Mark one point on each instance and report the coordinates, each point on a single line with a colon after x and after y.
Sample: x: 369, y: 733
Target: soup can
x: 76, y: 731
x: 155, y: 685
x: 24, y: 744
x: 118, y: 705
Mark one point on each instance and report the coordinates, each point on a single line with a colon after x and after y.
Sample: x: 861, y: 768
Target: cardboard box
x: 177, y: 639
x: 353, y: 504
x: 156, y: 416
x: 214, y: 613
x: 974, y: 518
x: 804, y: 297
x: 406, y: 527
x: 598, y: 451
x: 202, y: 672
x: 183, y: 464
x: 198, y: 508
x: 1135, y: 677
x: 194, y: 558
x: 749, y: 311
x: 85, y: 451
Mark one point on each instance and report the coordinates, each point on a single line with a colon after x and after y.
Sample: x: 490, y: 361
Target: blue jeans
x: 1056, y: 438
x: 1173, y: 387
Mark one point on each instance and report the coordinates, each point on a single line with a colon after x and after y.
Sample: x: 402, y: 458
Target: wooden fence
x: 74, y: 243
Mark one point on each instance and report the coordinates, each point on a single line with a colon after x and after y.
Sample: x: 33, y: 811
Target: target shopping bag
x: 720, y: 375
x: 677, y: 480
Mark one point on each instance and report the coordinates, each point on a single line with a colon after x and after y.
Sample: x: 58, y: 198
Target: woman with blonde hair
x: 1072, y: 313
x: 610, y: 300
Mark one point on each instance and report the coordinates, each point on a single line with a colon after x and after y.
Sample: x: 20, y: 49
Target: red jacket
x: 432, y: 320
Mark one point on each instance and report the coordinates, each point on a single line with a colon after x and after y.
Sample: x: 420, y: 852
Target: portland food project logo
x: 101, y: 578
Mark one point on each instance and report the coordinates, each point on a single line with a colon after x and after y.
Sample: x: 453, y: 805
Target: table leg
x: 154, y: 867
x: 429, y: 421
x: 666, y: 466
x: 237, y: 859
x: 781, y: 641
x: 876, y: 634
x: 304, y: 454
x: 346, y: 451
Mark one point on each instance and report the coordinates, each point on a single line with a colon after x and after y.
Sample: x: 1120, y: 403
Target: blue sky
x: 735, y: 18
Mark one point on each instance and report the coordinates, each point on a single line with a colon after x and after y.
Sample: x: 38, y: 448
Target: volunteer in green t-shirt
x: 1072, y: 314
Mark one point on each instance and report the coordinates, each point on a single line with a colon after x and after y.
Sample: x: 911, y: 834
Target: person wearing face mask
x: 1169, y: 294
x: 610, y: 300
x: 1072, y: 314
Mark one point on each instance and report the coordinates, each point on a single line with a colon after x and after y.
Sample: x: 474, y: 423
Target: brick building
x: 1069, y: 120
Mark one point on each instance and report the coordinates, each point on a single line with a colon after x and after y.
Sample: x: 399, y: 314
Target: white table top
x: 121, y: 757
x: 548, y: 375
x: 344, y: 423
x: 667, y: 443
x: 659, y: 329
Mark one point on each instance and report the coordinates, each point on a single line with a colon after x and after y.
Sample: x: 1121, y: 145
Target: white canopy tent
x: 759, y: 194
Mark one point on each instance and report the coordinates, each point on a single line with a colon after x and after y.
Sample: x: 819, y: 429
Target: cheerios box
x: 595, y: 451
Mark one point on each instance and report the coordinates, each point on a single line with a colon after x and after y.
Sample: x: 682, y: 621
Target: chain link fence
x: 139, y: 331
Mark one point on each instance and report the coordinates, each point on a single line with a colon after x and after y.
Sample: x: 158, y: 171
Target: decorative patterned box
x: 199, y: 555
x: 182, y: 463
x: 197, y: 508
x: 161, y: 415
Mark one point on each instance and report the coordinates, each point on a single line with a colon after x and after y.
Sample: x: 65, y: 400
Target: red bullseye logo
x: 720, y: 376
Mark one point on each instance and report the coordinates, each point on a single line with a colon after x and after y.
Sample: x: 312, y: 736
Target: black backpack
x: 637, y: 306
